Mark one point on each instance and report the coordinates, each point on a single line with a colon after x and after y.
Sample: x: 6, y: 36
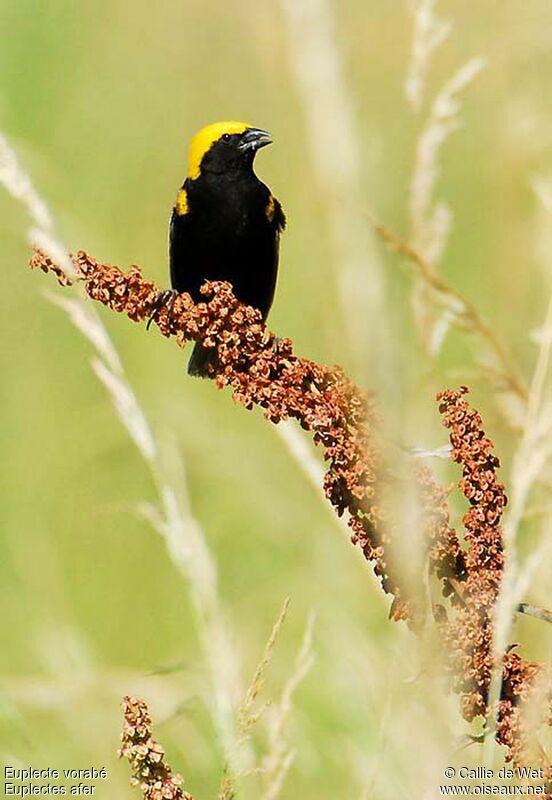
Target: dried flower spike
x: 263, y: 371
x: 147, y: 757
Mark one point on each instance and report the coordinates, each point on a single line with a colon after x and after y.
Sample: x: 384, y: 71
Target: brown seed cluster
x: 475, y: 582
x: 519, y: 678
x: 147, y: 757
x: 525, y: 706
x: 474, y: 451
x: 263, y: 371
x: 469, y: 635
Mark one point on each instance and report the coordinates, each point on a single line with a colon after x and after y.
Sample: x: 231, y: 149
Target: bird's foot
x: 166, y: 299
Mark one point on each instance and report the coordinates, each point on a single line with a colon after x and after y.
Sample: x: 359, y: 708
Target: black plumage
x: 225, y: 224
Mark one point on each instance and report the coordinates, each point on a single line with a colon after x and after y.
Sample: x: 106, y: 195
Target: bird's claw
x: 165, y: 298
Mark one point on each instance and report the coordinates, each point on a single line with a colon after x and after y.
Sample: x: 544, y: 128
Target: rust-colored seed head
x: 468, y: 636
x: 263, y: 371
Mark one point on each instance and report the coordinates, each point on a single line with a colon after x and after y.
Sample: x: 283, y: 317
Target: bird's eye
x: 226, y: 137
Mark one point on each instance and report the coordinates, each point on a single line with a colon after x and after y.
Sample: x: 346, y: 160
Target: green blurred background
x: 100, y: 99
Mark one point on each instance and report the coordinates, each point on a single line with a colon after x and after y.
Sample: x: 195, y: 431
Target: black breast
x: 226, y: 234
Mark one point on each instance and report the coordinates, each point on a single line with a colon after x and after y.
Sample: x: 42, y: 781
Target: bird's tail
x: 203, y: 361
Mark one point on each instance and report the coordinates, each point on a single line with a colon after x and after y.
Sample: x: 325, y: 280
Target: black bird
x: 225, y: 224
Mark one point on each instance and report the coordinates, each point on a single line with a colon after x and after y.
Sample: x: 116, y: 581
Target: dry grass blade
x: 279, y: 758
x: 19, y: 184
x: 429, y: 32
x: 40, y: 234
x: 246, y: 717
x: 303, y: 456
x: 430, y: 222
x: 536, y: 443
x: 337, y: 154
x: 130, y: 413
x: 463, y: 314
x: 430, y: 219
x: 301, y: 453
x: 85, y: 319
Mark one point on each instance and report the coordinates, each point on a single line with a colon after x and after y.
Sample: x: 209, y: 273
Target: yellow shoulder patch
x: 203, y: 140
x: 181, y: 205
x: 270, y: 209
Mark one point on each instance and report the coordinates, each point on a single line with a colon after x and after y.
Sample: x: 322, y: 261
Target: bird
x: 225, y: 224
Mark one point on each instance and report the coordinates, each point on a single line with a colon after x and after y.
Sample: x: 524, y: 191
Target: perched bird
x: 225, y: 224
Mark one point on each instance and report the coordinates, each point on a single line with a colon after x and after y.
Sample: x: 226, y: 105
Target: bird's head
x: 225, y: 147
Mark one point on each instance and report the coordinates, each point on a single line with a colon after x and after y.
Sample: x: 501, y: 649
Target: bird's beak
x: 254, y: 139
